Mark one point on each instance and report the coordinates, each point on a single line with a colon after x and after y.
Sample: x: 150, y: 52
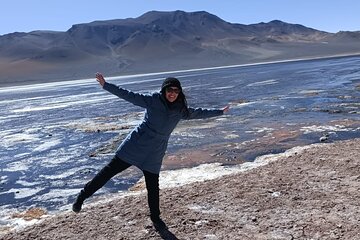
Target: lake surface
x: 54, y: 137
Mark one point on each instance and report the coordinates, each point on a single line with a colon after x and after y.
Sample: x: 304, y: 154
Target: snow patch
x: 56, y: 195
x: 40, y: 108
x: 260, y: 130
x: 64, y: 174
x: 316, y: 128
x: 3, y: 179
x: 54, y: 159
x: 23, y: 192
x: 47, y: 145
x: 222, y: 88
x: 242, y: 104
x: 231, y: 136
x: 27, y: 184
x: 203, y: 172
x: 13, y: 139
x: 18, y: 166
x: 176, y: 178
x: 262, y: 83
x: 10, y: 116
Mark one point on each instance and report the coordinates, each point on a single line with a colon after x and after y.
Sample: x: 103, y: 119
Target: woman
x: 145, y: 146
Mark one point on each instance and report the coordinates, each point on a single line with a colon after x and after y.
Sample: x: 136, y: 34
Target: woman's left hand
x: 226, y: 109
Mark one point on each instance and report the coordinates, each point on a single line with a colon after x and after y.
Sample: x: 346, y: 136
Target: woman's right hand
x: 226, y: 109
x: 100, y: 78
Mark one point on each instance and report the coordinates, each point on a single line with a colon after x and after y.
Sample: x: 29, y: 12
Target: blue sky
x: 326, y: 15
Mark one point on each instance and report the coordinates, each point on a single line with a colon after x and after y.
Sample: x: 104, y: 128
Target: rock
x: 275, y: 194
x: 324, y: 138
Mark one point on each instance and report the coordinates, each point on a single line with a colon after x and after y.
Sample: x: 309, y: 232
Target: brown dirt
x: 308, y: 194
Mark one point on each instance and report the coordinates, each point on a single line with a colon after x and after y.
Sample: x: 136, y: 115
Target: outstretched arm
x: 196, y: 113
x: 134, y: 98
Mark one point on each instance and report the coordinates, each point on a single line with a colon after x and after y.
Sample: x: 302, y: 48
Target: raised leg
x: 115, y: 166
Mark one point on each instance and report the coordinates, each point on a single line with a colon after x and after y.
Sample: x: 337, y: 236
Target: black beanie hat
x: 170, y: 82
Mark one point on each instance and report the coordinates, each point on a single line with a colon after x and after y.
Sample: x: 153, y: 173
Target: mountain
x: 158, y: 41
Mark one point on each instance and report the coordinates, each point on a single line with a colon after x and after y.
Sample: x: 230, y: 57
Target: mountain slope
x: 159, y: 41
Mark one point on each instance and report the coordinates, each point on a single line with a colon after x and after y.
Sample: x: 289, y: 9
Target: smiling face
x: 172, y: 93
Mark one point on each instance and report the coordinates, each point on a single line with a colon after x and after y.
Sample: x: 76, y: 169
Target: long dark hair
x: 182, y: 100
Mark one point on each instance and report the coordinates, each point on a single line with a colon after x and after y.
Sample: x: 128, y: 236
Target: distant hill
x: 158, y: 41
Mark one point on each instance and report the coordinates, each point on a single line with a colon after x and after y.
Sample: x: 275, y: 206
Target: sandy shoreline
x: 311, y: 192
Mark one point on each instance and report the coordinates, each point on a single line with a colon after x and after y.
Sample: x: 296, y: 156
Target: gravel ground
x: 312, y: 193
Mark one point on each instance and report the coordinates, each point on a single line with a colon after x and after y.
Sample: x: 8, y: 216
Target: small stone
x: 275, y: 194
x: 324, y: 138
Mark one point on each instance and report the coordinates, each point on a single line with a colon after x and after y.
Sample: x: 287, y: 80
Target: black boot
x: 76, y: 207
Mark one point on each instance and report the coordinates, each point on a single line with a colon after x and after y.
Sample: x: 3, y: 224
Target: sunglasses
x: 173, y: 90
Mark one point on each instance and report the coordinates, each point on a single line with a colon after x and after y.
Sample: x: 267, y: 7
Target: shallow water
x: 50, y: 132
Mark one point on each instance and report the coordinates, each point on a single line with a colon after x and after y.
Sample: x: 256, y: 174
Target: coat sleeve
x: 196, y: 113
x: 137, y: 99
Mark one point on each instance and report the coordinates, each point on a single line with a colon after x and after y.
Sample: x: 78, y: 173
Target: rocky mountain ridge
x: 158, y: 41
